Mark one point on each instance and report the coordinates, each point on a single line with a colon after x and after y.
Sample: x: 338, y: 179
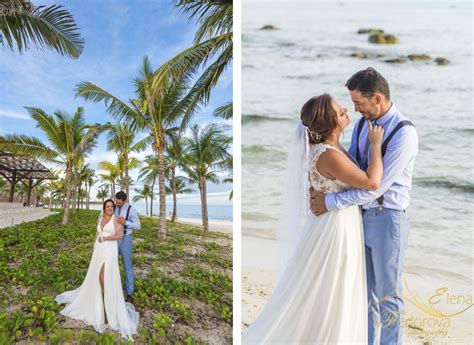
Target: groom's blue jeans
x: 125, y: 251
x: 386, y: 240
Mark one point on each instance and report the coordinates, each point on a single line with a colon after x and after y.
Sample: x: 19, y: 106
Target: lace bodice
x: 108, y: 229
x: 318, y: 181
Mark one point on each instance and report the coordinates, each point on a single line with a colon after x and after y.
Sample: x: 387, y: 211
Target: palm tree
x: 143, y: 194
x: 149, y: 175
x: 68, y: 139
x: 113, y: 173
x: 212, y: 42
x: 22, y: 24
x: 102, y: 193
x: 126, y: 181
x: 56, y: 191
x: 55, y: 187
x: 206, y: 149
x: 174, y: 158
x: 87, y: 176
x: 225, y: 111
x: 120, y: 140
x: 158, y: 109
x: 227, y: 164
x: 179, y: 188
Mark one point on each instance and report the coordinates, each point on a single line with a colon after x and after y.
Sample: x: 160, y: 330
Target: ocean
x: 310, y: 55
x: 215, y: 212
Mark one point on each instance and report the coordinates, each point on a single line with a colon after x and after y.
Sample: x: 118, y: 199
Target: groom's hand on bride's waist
x: 317, y: 202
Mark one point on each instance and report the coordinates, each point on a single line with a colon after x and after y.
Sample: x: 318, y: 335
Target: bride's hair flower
x: 315, y: 136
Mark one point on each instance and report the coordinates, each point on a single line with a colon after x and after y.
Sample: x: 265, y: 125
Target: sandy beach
x: 214, y: 225
x: 419, y: 328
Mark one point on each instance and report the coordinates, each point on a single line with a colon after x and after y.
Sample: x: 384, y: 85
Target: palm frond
x: 225, y: 111
x: 43, y: 27
x: 25, y: 145
x: 115, y: 106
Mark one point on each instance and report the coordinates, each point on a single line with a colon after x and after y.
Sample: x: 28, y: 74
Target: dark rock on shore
x: 398, y: 60
x: 370, y: 31
x: 269, y: 27
x: 366, y: 55
x: 360, y: 55
x: 442, y: 61
x: 384, y: 39
x: 419, y: 57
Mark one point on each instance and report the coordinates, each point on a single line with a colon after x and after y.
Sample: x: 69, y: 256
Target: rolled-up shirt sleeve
x: 402, y: 149
x: 133, y: 221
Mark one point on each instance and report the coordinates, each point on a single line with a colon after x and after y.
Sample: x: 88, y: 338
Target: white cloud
x: 14, y: 115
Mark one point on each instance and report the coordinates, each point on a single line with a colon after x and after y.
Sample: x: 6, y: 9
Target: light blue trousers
x: 125, y: 251
x: 386, y: 240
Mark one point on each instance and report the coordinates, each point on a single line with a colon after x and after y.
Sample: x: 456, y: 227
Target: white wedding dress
x: 321, y: 298
x: 86, y: 303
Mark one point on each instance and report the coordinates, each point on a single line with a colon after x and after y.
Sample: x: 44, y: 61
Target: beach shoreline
x: 215, y: 225
x: 258, y: 283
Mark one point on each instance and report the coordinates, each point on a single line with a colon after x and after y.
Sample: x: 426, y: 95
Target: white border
x: 237, y: 173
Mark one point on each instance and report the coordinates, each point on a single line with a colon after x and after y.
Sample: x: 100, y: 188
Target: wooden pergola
x: 23, y: 169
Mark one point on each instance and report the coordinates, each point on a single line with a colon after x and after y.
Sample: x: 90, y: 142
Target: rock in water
x: 370, y: 31
x: 269, y: 27
x: 397, y: 60
x: 419, y: 57
x: 360, y: 55
x: 383, y: 39
x: 442, y: 61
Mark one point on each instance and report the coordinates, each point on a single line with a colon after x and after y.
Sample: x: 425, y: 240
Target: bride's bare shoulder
x: 332, y: 159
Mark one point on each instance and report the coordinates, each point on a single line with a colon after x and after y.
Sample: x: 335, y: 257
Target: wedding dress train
x: 321, y: 298
x: 86, y: 303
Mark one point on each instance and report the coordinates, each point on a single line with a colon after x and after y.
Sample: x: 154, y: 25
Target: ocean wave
x: 444, y: 274
x: 260, y: 154
x: 442, y: 182
x: 301, y: 77
x: 252, y: 118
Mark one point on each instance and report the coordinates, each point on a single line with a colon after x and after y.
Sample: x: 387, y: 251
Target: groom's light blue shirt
x: 133, y: 222
x: 398, y: 164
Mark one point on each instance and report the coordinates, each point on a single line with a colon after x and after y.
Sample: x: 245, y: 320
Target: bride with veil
x: 321, y: 294
x: 99, y: 301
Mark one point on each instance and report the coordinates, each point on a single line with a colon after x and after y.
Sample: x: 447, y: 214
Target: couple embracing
x: 340, y: 281
x: 100, y: 301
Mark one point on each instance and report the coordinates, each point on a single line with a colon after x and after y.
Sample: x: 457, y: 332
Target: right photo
x: 357, y: 181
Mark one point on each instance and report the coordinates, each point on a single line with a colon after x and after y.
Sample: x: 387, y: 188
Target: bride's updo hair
x: 105, y: 203
x: 320, y: 117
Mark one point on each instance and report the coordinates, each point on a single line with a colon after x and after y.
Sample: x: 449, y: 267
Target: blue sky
x: 117, y: 34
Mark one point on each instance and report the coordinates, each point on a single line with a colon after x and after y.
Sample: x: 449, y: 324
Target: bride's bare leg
x: 101, y: 280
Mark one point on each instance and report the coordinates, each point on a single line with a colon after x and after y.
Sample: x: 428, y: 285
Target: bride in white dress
x: 99, y: 301
x: 321, y: 295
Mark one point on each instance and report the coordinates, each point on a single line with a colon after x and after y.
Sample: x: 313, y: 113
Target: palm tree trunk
x: 113, y: 190
x: 151, y: 197
x: 146, y: 205
x: 174, y: 216
x: 126, y: 176
x: 68, y: 196
x: 88, y: 196
x: 73, y: 194
x: 161, y: 183
x: 205, y: 217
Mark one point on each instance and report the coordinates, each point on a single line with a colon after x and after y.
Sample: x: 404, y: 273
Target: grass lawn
x: 183, y: 287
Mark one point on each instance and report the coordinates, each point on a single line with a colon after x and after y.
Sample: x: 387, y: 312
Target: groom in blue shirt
x: 384, y: 211
x: 128, y: 217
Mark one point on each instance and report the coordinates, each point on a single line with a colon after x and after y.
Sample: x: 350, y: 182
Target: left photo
x: 116, y: 172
